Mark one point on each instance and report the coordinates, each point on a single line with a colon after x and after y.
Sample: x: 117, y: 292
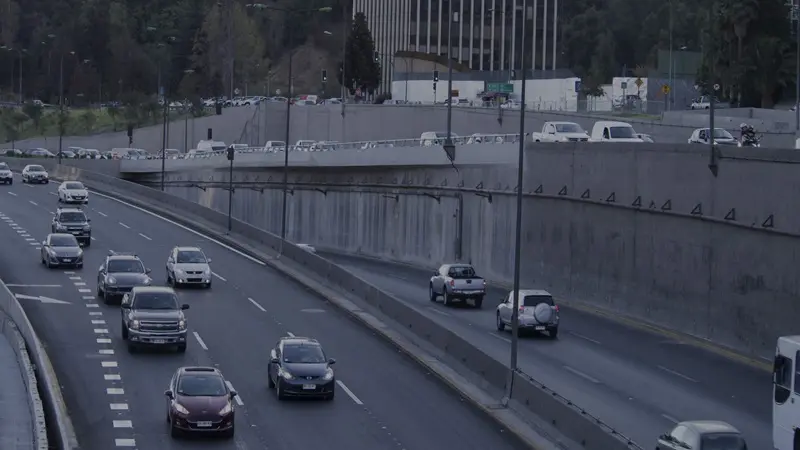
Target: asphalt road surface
x: 116, y: 399
x: 640, y: 383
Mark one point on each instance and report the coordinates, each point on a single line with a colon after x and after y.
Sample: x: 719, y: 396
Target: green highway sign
x: 504, y: 88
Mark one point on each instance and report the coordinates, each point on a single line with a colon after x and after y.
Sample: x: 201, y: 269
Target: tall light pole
x: 796, y: 11
x: 668, y: 106
x: 518, y: 230
x: 285, y: 183
x: 344, y: 56
x: 449, y: 146
x: 19, y: 59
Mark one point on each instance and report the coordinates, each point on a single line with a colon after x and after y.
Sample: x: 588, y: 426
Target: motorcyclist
x: 748, y: 138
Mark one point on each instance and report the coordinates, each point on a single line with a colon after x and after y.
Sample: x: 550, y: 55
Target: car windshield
x: 191, y: 257
x: 35, y: 169
x: 722, y: 441
x: 461, y: 272
x: 73, y: 186
x: 303, y: 354
x: 3, y: 166
x: 722, y: 133
x: 202, y: 386
x: 63, y: 241
x: 72, y: 217
x: 622, y: 132
x: 155, y: 300
x: 568, y: 128
x: 125, y: 265
x: 533, y: 300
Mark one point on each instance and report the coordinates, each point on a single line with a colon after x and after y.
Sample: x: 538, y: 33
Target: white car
x: 188, y: 266
x: 6, y: 177
x: 721, y: 137
x: 73, y: 192
x: 34, y: 173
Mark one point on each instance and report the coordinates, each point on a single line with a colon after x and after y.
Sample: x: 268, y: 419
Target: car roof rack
x: 113, y: 253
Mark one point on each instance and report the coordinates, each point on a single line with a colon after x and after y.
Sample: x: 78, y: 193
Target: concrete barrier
x: 46, y: 402
x: 562, y: 414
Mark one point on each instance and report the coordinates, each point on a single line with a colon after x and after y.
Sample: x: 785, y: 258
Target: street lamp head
x: 3, y: 47
x: 257, y: 6
x: 327, y: 33
x: 151, y: 28
x: 172, y: 39
x: 325, y: 9
x: 51, y: 36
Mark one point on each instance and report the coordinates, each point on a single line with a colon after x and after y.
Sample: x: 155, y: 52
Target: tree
x: 11, y: 123
x: 34, y: 111
x: 87, y: 119
x: 361, y: 68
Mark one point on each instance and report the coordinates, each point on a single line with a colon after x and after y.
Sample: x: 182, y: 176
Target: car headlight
x: 207, y: 270
x: 61, y: 227
x: 147, y: 281
x: 328, y: 375
x: 182, y: 324
x: 134, y: 325
x: 179, y: 272
x: 226, y: 409
x: 285, y: 375
x: 111, y: 280
x: 87, y: 227
x: 178, y: 407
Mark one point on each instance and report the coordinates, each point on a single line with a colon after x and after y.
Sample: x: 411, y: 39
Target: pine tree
x: 361, y: 68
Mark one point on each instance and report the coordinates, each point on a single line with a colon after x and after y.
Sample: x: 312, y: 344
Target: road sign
x: 503, y: 88
x: 577, y: 86
x: 624, y: 85
x: 665, y: 89
x: 638, y: 82
x: 41, y: 298
x: 236, y: 91
x: 716, y: 87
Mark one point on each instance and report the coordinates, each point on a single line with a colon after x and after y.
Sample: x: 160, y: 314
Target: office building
x: 486, y: 33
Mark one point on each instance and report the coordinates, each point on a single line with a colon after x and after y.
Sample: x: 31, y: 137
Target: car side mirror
x: 44, y: 243
x: 88, y: 220
x: 332, y: 361
x: 208, y: 260
x: 147, y: 271
x: 274, y: 360
x: 170, y: 260
x: 184, y: 307
x: 234, y: 394
x: 125, y: 306
x: 169, y: 394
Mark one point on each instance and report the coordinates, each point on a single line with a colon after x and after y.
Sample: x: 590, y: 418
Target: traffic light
x: 377, y: 56
x: 324, y: 76
x: 230, y: 153
x: 435, y: 76
x: 513, y: 74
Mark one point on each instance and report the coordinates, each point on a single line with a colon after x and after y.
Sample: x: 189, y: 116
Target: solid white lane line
x: 35, y: 285
x: 349, y: 392
x: 146, y: 237
x: 112, y: 377
x: 238, y: 399
x: 500, y: 337
x: 585, y: 338
x: 582, y: 375
x: 255, y: 303
x: 199, y: 340
x: 125, y: 442
x: 33, y: 203
x: 217, y: 275
x: 123, y: 424
x: 106, y: 351
x: 196, y: 233
x: 670, y: 418
x: 103, y: 341
x: 678, y: 374
x: 102, y: 214
x: 124, y: 225
x: 119, y: 406
x: 290, y: 334
x: 108, y: 364
x: 115, y: 391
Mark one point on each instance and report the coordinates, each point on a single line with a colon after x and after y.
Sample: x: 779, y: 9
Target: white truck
x: 560, y: 132
x: 612, y: 131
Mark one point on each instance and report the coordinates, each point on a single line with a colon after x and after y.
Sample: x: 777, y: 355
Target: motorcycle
x: 749, y: 140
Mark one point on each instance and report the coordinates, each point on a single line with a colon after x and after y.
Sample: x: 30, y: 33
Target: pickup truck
x: 152, y: 316
x: 560, y: 132
x: 457, y: 282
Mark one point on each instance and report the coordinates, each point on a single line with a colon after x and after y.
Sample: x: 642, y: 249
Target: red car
x: 200, y: 401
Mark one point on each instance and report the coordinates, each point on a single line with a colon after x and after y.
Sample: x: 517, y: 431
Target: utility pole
x: 226, y: 17
x: 344, y: 55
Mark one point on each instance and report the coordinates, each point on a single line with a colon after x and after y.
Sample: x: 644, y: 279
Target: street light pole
x: 449, y: 143
x: 797, y: 69
x: 344, y: 57
x: 286, y: 150
x: 671, y: 64
x: 60, y: 106
x: 518, y: 230
x: 164, y: 144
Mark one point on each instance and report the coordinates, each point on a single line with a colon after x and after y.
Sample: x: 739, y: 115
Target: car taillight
x: 556, y: 308
x: 452, y: 283
x: 484, y: 283
x: 521, y: 309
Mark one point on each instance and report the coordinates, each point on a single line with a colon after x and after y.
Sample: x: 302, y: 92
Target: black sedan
x: 199, y: 401
x: 298, y: 367
x: 60, y: 249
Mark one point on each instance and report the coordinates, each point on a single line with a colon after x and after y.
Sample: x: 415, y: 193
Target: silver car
x: 188, y: 266
x: 702, y: 435
x: 61, y: 250
x: 537, y: 312
x: 457, y: 283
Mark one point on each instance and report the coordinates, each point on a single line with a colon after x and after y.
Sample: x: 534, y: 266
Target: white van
x: 274, y: 146
x: 428, y: 138
x: 785, y: 393
x: 122, y: 153
x: 611, y: 131
x: 212, y: 146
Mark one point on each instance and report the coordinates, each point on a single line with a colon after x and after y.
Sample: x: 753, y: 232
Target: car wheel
x: 131, y: 347
x: 105, y: 297
x: 553, y: 333
x: 330, y: 396
x: 169, y: 279
x: 270, y: 383
x: 500, y: 325
x: 181, y: 348
x: 174, y: 431
x: 124, y: 333
x: 445, y: 298
x: 432, y: 295
x: 478, y: 302
x: 230, y: 433
x: 279, y: 391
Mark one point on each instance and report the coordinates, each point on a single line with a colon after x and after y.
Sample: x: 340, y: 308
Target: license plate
x: 67, y: 260
x: 159, y: 341
x: 539, y: 328
x: 309, y: 387
x: 204, y: 424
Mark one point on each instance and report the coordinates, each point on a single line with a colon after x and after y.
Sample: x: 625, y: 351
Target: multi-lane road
x: 640, y: 383
x: 116, y: 399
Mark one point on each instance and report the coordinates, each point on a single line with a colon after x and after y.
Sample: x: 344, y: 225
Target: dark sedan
x: 60, y: 250
x: 298, y: 367
x: 199, y: 401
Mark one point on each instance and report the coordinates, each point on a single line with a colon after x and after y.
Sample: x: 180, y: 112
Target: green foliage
x: 63, y: 120
x: 87, y: 120
x: 11, y: 122
x: 35, y: 112
x: 361, y: 69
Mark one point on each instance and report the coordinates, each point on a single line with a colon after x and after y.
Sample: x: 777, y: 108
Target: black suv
x: 152, y: 316
x: 119, y: 274
x: 73, y: 221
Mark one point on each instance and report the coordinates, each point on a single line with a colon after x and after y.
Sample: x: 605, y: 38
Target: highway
x: 639, y: 382
x: 116, y: 398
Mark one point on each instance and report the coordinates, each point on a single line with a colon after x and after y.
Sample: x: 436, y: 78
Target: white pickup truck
x: 560, y: 132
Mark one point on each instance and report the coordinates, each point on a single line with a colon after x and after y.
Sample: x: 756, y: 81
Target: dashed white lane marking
x: 670, y: 418
x: 106, y: 351
x: 88, y: 297
x: 33, y: 203
x: 290, y: 334
x: 34, y: 285
x: 124, y: 225
x: 52, y: 193
x: 196, y: 233
x: 103, y: 341
x: 11, y: 193
x: 119, y: 406
x: 30, y: 239
x: 96, y: 313
x: 112, y: 377
x: 199, y: 340
x: 585, y: 338
x: 115, y: 391
x: 255, y: 303
x: 494, y: 335
x: 678, y: 374
x: 74, y: 278
x: 125, y: 442
x: 123, y: 424
x: 92, y: 305
x: 84, y: 291
x: 69, y: 273
x: 33, y: 243
x: 98, y: 322
x: 582, y: 375
x: 238, y: 399
x: 101, y: 331
x: 109, y: 364
x: 79, y: 283
x: 349, y: 392
x: 217, y: 275
x: 145, y: 236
